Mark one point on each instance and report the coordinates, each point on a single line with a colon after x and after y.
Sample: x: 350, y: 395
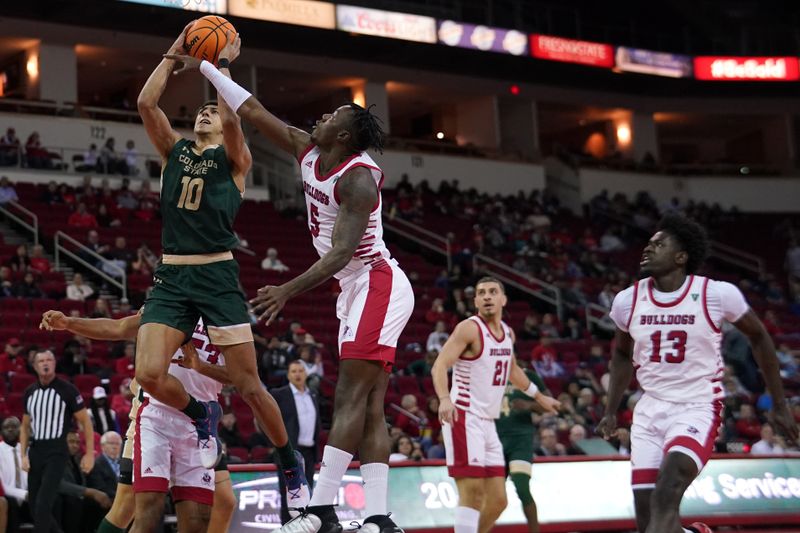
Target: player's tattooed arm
x: 358, y: 195
x: 764, y: 354
x: 621, y: 371
x: 156, y: 123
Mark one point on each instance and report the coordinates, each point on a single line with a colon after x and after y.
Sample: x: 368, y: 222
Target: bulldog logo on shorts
x: 207, y: 478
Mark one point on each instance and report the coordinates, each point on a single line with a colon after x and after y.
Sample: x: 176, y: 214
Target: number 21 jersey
x: 677, y: 336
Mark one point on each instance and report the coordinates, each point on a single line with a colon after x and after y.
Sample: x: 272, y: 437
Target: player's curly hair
x: 365, y: 129
x: 690, y: 236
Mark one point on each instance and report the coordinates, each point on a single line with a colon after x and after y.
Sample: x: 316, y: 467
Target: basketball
x: 207, y: 37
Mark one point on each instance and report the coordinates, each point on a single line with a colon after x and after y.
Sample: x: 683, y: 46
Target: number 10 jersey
x: 677, y: 336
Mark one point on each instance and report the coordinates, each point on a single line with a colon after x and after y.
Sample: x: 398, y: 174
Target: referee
x: 50, y: 404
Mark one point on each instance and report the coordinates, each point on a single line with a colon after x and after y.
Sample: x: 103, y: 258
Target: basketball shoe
x: 700, y: 527
x: 207, y: 441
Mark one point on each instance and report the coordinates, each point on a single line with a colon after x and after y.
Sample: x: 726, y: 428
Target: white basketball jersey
x: 322, y: 203
x: 203, y: 388
x: 479, y: 383
x: 676, y: 349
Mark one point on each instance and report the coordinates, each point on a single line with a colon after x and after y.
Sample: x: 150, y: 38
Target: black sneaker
x: 380, y: 523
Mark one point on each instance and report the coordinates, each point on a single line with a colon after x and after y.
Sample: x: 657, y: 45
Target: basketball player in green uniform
x: 516, y: 431
x: 202, y: 186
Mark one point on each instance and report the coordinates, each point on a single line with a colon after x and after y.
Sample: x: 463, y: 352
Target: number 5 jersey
x: 677, y: 335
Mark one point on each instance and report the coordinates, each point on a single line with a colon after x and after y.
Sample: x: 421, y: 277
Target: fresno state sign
x: 572, y: 51
x: 746, y: 68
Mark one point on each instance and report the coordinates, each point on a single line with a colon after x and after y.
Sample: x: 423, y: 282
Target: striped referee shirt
x: 51, y: 408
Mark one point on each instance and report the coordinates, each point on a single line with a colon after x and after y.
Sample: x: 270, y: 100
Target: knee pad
x: 522, y: 482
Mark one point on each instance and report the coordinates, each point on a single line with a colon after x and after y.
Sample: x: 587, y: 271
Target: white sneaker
x: 304, y: 523
x: 210, y: 452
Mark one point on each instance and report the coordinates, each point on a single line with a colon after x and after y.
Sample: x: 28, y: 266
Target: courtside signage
x: 572, y: 51
x: 746, y: 68
x: 206, y: 6
x: 655, y: 63
x: 483, y: 38
x: 298, y: 12
x: 386, y: 24
x: 426, y: 497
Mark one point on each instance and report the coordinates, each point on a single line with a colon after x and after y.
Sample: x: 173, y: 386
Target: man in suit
x: 300, y: 408
x: 80, y: 507
x: 13, y: 478
x: 105, y: 473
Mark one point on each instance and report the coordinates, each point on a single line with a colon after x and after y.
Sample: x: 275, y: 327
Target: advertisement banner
x: 426, y: 497
x: 298, y: 12
x: 572, y: 51
x: 386, y: 24
x: 484, y: 38
x: 746, y: 68
x: 655, y: 63
x: 218, y: 7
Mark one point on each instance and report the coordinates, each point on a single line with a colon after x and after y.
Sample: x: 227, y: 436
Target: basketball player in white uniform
x: 481, y: 353
x: 156, y: 446
x: 342, y: 189
x: 668, y: 331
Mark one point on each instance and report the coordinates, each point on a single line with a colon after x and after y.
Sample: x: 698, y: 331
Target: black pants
x: 310, y: 457
x: 48, y: 461
x: 18, y: 513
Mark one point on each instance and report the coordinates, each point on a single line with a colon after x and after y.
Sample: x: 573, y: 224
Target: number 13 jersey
x: 677, y: 336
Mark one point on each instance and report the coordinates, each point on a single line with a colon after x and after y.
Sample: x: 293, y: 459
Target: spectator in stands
x: 6, y: 283
x: 51, y: 196
x: 442, y: 281
x: 105, y: 219
x: 229, y: 432
x: 9, y: 148
x: 405, y: 449
x: 86, y: 192
x: 774, y: 293
x: 125, y: 197
x: 259, y: 439
x: 274, y: 361
x: 90, y: 160
x: 101, y: 309
x: 93, y: 243
x: 39, y: 263
x: 748, y: 425
x: 271, y: 262
x: 13, y: 360
x: 789, y: 360
x: 20, y: 261
x: 7, y: 191
x: 606, y: 296
x: 436, y: 313
x: 544, y: 348
x: 110, y: 161
x: 584, y: 378
x: 413, y: 418
x: 67, y: 195
x: 103, y: 418
x: 312, y: 360
x: 437, y: 338
x: 78, y: 290
x: 573, y: 330
x: 422, y: 367
x: 105, y: 473
x: 623, y: 442
x: 145, y: 262
x: 772, y: 324
x: 434, y: 427
x: 549, y: 327
x: 82, y: 506
x: 131, y: 158
x: 548, y: 443
x: 121, y: 255
x: 75, y: 356
x: 148, y: 203
x: 289, y: 336
x: 611, y: 242
x: 121, y: 402
x: 125, y: 364
x: 28, y: 288
x: 81, y: 218
x: 530, y: 328
x: 577, y: 433
x: 13, y: 479
x: 792, y: 265
x: 35, y: 155
x: 587, y: 407
x: 770, y: 444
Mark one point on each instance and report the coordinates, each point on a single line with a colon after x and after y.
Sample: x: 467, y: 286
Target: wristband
x: 223, y: 63
x: 532, y: 390
x: 228, y: 89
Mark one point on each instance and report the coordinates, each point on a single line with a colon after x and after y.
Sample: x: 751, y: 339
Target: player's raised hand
x: 548, y: 403
x: 447, y: 411
x: 187, y: 62
x: 179, y: 46
x: 269, y: 301
x: 784, y: 422
x: 607, y: 427
x: 53, y: 321
x: 232, y: 47
x: 190, y: 358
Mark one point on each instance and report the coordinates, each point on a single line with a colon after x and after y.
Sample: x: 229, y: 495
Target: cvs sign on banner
x: 746, y: 68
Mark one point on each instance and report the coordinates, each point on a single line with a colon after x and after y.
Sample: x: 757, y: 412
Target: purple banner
x: 484, y: 38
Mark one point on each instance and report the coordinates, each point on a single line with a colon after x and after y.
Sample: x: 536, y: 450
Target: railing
x: 277, y: 176
x: 595, y: 315
x: 547, y: 292
x: 32, y: 225
x: 421, y: 236
x: 121, y: 283
x: 737, y: 257
x: 73, y: 160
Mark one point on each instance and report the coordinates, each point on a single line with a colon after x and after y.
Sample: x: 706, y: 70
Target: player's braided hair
x: 365, y: 129
x: 690, y: 236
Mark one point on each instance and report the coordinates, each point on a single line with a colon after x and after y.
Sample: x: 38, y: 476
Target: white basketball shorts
x: 472, y: 447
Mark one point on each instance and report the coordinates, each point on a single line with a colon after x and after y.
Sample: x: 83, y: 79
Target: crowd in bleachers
x: 585, y: 256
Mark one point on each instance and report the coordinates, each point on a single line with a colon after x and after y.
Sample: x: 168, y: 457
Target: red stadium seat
x: 20, y: 382
x: 406, y: 385
x: 239, y: 452
x: 86, y: 382
x: 260, y: 454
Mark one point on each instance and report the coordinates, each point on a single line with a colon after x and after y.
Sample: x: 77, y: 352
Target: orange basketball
x: 207, y: 37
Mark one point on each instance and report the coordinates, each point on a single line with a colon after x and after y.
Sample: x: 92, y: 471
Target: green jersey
x: 513, y: 422
x: 199, y: 201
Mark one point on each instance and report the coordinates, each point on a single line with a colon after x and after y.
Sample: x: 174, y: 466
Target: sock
x: 107, y: 527
x: 332, y: 470
x: 376, y: 484
x: 286, y: 457
x: 466, y: 520
x: 195, y: 409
